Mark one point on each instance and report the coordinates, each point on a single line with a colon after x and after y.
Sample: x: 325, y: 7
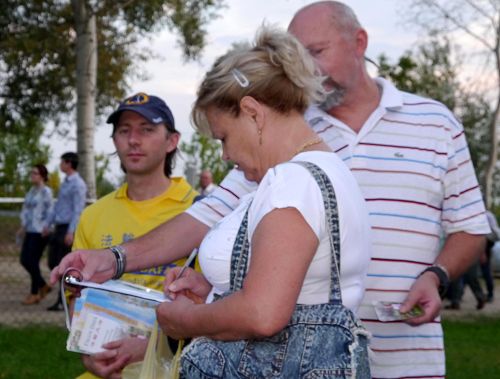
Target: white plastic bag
x: 159, y: 361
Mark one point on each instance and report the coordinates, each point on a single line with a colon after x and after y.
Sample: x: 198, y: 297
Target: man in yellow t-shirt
x: 116, y: 219
x: 146, y: 141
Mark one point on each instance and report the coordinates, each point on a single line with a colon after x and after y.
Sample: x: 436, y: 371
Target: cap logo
x: 137, y: 99
x: 157, y: 120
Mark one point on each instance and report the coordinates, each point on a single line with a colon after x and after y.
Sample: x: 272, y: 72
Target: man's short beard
x: 334, y: 97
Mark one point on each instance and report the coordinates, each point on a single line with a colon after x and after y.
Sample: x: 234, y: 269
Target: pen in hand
x: 188, y: 293
x: 188, y: 262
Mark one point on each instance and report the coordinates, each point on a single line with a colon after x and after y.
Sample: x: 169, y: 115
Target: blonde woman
x: 275, y: 305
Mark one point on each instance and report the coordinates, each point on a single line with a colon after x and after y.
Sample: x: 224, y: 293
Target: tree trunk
x: 492, y: 157
x: 495, y: 123
x: 86, y: 76
x: 491, y: 164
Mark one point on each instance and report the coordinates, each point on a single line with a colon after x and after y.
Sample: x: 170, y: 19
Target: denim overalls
x: 320, y: 341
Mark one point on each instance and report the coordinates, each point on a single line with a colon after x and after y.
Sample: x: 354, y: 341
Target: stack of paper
x: 104, y: 315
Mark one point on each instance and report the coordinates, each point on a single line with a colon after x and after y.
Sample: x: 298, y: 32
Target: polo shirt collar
x: 391, y: 98
x: 178, y: 190
x: 122, y: 191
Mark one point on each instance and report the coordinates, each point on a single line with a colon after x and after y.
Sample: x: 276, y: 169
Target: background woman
x: 36, y: 208
x: 274, y: 261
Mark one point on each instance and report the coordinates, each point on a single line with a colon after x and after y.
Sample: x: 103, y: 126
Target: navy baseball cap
x: 152, y: 108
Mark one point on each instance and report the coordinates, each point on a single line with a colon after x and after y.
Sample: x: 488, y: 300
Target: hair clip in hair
x: 240, y: 78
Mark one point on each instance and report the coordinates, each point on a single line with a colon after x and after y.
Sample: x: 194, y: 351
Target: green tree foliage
x: 429, y: 72
x: 37, y: 51
x: 54, y: 182
x: 475, y: 113
x: 38, y: 57
x: 204, y: 153
x: 104, y: 186
x: 18, y: 155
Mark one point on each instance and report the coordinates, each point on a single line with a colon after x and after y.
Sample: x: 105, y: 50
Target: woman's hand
x: 191, y: 284
x: 185, y: 291
x: 172, y: 317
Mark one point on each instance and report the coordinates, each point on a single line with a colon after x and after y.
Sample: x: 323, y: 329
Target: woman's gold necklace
x: 307, y: 144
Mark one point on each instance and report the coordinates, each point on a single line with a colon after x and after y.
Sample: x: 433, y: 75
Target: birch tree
x: 86, y: 78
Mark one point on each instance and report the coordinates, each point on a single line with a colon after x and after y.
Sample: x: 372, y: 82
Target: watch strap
x: 442, y: 274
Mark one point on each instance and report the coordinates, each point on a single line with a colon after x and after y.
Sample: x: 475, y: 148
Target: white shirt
x: 291, y: 185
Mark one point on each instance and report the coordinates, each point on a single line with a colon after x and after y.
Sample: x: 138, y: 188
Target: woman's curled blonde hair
x: 276, y: 71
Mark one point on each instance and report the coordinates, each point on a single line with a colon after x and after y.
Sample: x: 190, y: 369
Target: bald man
x: 410, y: 158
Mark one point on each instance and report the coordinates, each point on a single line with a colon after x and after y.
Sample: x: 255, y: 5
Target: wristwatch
x: 443, y: 276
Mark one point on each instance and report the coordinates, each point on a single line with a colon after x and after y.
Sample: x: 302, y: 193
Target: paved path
x: 14, y: 287
x: 468, y: 306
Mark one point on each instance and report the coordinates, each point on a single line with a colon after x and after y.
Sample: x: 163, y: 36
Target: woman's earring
x: 259, y: 131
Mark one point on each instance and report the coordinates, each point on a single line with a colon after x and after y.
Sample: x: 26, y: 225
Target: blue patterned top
x: 70, y: 202
x: 36, y: 209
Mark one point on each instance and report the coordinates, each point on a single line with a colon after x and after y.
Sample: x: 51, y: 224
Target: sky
x: 176, y: 81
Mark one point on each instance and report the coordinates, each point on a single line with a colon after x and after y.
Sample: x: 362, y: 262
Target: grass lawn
x: 472, y: 351
x: 472, y: 348
x: 37, y: 352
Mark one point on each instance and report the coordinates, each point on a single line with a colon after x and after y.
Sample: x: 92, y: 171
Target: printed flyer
x: 101, y: 316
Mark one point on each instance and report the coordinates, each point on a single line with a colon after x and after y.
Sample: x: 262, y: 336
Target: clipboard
x: 120, y: 287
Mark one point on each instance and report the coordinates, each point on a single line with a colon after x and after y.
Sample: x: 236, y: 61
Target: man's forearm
x: 460, y: 251
x: 168, y: 242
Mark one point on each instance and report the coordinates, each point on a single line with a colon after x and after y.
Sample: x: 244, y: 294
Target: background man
x: 65, y: 214
x: 206, y: 183
x: 486, y: 257
x: 146, y: 141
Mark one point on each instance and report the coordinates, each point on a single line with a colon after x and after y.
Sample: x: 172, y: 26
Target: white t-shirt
x: 291, y: 185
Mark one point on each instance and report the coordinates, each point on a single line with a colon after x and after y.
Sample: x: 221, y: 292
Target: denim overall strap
x: 332, y: 222
x: 241, y: 247
x: 239, y: 256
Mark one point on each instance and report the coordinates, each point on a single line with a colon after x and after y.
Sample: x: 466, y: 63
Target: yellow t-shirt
x: 115, y: 219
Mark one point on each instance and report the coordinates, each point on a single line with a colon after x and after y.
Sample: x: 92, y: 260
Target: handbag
x: 159, y: 362
x: 320, y: 340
